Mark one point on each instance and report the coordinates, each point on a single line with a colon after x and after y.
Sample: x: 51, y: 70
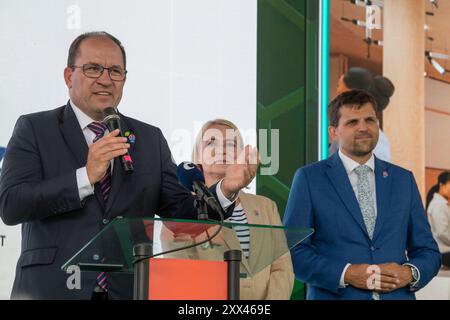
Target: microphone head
x: 187, y: 173
x: 109, y: 111
x: 111, y: 119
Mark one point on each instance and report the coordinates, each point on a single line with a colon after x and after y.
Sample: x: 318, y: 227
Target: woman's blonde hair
x: 196, y: 152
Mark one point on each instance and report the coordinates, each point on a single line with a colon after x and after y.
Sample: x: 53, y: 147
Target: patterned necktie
x: 105, y: 183
x: 365, y: 198
x: 105, y: 186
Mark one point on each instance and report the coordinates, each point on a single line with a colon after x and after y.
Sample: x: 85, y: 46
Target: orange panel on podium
x: 183, y: 279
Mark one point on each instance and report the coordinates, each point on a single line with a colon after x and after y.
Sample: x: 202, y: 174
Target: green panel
x: 312, y: 142
x: 287, y: 91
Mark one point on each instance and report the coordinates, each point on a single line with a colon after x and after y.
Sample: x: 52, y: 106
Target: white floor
x: 437, y: 289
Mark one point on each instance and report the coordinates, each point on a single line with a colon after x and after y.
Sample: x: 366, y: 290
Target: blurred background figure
x: 381, y: 88
x: 218, y: 144
x: 439, y: 215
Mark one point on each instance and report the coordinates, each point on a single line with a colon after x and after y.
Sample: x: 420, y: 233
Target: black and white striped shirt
x: 242, y: 232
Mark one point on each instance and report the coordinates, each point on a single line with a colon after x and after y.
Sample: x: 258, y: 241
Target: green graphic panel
x: 287, y: 91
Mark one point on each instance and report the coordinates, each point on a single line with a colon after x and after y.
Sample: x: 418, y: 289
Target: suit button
x: 105, y: 221
x: 95, y: 257
x: 372, y: 248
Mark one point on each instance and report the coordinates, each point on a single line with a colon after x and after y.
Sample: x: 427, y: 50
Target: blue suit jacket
x: 322, y: 198
x: 38, y: 189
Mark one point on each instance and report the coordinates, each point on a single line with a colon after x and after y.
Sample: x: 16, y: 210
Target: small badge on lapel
x: 256, y: 213
x: 385, y: 174
x: 130, y: 136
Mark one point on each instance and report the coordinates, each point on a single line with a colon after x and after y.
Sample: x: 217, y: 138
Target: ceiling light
x: 435, y: 3
x: 437, y: 55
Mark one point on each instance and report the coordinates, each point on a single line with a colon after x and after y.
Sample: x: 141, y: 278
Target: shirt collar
x: 350, y: 164
x: 83, y: 119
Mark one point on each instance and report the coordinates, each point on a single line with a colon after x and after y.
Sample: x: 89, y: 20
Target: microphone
x: 192, y: 179
x: 112, y: 122
x: 187, y: 173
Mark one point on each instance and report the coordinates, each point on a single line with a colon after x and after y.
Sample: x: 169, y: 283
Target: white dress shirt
x: 85, y: 189
x: 439, y: 217
x: 350, y: 165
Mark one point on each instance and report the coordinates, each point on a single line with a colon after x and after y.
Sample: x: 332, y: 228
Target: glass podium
x: 182, y: 259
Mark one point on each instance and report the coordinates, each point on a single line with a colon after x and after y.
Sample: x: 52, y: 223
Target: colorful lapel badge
x: 131, y: 137
x: 385, y: 174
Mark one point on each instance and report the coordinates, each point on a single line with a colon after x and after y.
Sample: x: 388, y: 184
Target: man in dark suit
x: 62, y: 181
x: 372, y: 239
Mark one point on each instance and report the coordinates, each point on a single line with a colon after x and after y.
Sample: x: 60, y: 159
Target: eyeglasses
x: 95, y: 71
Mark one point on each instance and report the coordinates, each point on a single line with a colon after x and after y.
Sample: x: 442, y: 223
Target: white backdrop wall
x: 188, y: 61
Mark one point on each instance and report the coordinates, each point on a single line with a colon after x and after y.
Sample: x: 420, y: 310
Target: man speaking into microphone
x: 66, y: 176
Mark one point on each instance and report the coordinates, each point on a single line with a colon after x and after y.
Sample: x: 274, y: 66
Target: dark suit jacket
x: 322, y: 198
x: 38, y: 189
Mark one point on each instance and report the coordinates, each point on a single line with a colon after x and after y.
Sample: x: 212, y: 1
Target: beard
x: 362, y: 148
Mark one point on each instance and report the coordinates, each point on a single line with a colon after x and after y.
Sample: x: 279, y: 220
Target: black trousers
x: 446, y: 259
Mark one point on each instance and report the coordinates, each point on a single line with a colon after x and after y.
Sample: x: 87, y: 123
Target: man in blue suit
x: 63, y: 182
x: 372, y: 239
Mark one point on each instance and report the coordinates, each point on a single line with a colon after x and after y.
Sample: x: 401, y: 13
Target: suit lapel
x: 229, y: 238
x: 339, y: 179
x: 118, y: 175
x: 73, y: 135
x: 383, y: 190
x: 75, y: 140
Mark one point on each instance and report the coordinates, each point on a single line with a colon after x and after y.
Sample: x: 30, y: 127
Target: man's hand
x: 102, y: 152
x: 357, y: 276
x: 238, y: 175
x: 401, y: 274
x: 380, y: 278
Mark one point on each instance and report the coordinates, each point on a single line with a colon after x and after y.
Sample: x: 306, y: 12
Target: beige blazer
x: 274, y: 282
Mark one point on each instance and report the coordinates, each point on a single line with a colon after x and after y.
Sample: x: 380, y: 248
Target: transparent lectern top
x: 111, y: 250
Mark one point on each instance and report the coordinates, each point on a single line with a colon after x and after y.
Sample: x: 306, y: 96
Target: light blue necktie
x: 365, y: 198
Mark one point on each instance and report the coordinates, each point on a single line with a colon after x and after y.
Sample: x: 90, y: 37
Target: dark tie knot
x: 98, y: 128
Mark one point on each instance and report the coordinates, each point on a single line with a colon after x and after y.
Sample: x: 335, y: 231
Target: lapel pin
x: 256, y: 213
x: 385, y: 174
x: 131, y: 137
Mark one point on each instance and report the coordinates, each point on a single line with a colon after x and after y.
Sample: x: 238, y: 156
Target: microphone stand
x: 200, y: 203
x: 202, y: 208
x: 232, y: 257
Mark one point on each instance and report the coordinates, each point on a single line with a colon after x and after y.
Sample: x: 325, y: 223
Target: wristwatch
x: 415, y: 275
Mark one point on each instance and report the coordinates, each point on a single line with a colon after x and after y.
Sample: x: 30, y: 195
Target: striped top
x: 242, y: 232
